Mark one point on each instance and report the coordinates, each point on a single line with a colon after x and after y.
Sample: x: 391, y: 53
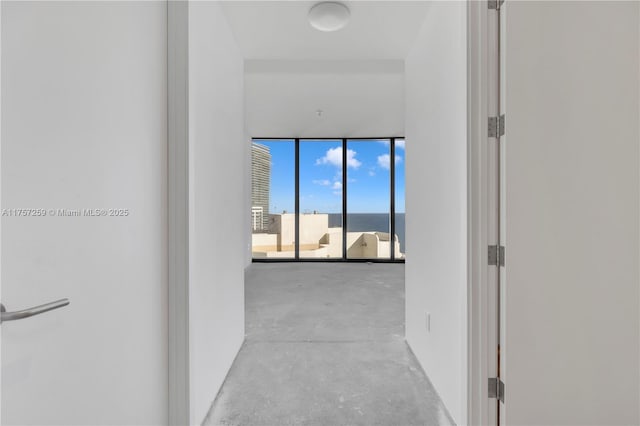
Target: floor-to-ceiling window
x: 328, y: 199
x: 398, y: 198
x: 273, y: 198
x: 368, y: 200
x: 320, y: 198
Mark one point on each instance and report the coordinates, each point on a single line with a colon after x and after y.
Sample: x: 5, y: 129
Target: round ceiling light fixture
x: 329, y: 16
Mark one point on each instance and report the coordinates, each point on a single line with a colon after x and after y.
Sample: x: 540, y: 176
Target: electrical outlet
x: 428, y: 322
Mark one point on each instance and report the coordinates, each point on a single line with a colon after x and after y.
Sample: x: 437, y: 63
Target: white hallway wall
x: 104, y: 123
x: 572, y: 232
x: 436, y: 117
x: 84, y: 126
x: 218, y: 150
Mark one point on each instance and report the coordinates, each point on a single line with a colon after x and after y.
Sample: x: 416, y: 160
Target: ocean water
x: 360, y: 222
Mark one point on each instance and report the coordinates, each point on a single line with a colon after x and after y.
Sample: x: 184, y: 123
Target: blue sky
x: 321, y: 176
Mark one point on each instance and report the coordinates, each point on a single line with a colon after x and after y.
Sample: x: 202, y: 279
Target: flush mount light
x: 329, y: 16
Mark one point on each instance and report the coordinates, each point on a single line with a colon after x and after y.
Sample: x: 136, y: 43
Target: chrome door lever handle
x: 26, y: 313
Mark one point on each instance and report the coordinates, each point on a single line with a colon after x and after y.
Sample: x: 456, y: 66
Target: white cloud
x: 351, y: 159
x: 384, y: 161
x: 334, y: 157
x: 399, y: 143
x: 322, y: 182
x: 337, y: 188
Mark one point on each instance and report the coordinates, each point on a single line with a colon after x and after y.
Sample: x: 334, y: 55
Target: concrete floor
x: 325, y: 346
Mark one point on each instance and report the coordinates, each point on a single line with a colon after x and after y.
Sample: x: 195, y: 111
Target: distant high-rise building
x: 260, y: 183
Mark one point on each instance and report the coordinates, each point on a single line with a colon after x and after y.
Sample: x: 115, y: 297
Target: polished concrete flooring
x: 325, y: 346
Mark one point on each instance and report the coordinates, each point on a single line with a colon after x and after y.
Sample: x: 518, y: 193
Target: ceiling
x: 280, y: 30
x: 355, y: 76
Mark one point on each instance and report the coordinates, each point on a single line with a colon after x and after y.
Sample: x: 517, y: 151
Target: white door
x: 84, y: 203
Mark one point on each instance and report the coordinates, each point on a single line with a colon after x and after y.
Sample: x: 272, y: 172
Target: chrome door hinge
x: 496, y: 126
x: 496, y: 255
x: 496, y: 389
x: 495, y: 4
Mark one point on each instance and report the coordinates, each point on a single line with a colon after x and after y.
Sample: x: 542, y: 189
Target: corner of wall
x: 436, y: 279
x: 219, y: 229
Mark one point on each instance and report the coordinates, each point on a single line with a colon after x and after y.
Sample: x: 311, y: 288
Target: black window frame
x: 392, y: 201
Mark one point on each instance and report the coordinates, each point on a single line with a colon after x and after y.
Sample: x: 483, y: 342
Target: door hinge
x: 496, y: 389
x: 495, y: 4
x: 496, y: 126
x: 496, y: 255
